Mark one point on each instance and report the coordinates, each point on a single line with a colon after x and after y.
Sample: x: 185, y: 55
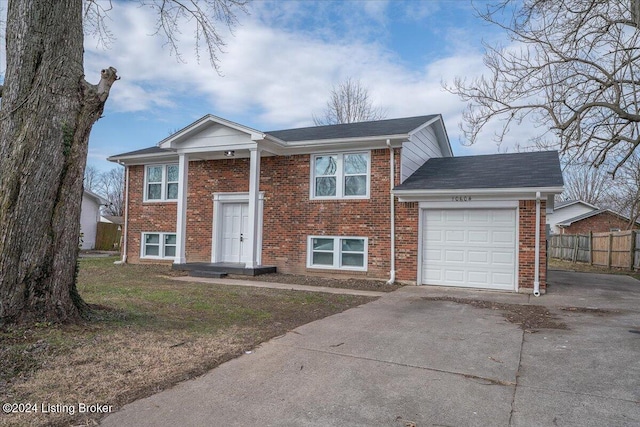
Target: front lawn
x: 147, y: 333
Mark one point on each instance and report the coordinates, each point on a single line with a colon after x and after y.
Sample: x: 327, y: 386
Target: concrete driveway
x: 406, y: 361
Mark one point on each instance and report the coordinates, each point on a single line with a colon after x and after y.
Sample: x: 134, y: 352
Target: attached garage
x: 469, y: 248
x: 481, y: 219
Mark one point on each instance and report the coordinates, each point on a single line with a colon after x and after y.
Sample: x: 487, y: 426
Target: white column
x: 181, y: 221
x: 254, y: 212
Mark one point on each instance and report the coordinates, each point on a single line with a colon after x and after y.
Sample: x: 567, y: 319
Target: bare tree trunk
x: 47, y: 112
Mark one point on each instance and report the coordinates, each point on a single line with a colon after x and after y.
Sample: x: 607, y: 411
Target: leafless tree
x: 111, y: 187
x: 625, y: 190
x: 584, y: 182
x: 91, y: 178
x: 573, y: 66
x: 349, y: 102
x: 46, y: 116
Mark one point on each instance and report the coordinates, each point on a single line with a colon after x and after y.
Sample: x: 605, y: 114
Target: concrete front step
x: 207, y: 273
x: 229, y: 268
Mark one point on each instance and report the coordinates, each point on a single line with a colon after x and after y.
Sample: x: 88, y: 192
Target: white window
x: 161, y: 182
x: 158, y: 245
x: 333, y: 252
x: 340, y: 176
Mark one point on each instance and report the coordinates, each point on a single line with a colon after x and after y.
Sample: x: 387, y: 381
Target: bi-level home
x: 383, y: 199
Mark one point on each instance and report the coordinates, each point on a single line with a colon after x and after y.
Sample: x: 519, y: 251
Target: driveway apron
x: 404, y: 360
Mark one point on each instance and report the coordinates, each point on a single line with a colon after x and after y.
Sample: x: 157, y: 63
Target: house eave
x: 140, y: 159
x: 520, y: 193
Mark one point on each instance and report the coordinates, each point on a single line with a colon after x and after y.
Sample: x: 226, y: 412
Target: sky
x: 280, y: 64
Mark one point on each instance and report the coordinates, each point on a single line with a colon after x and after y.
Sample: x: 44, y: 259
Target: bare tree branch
x: 572, y: 67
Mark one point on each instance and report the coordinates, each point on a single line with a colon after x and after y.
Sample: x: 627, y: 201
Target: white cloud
x: 277, y: 76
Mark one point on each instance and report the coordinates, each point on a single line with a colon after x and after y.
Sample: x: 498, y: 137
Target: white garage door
x: 469, y: 247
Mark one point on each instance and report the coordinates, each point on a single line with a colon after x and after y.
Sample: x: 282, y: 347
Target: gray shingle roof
x: 518, y: 170
x: 144, y: 151
x: 353, y: 130
x: 350, y: 130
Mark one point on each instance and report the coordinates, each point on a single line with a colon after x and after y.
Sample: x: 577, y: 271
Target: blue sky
x: 281, y: 64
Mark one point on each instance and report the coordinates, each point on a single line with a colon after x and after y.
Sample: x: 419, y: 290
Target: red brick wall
x: 600, y: 223
x: 145, y: 217
x: 289, y: 215
x: 527, y: 242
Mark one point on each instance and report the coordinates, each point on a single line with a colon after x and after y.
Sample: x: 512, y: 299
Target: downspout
x: 126, y: 216
x: 536, y: 276
x: 392, y: 273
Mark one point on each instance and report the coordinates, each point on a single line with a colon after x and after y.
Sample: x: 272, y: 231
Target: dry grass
x: 588, y: 268
x: 148, y: 334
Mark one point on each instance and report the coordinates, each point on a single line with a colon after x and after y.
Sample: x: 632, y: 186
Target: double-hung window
x: 161, y: 182
x: 340, y: 176
x: 334, y: 252
x: 158, y: 245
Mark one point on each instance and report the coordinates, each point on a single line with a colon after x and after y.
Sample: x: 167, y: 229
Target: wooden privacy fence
x: 620, y: 249
x: 108, y: 237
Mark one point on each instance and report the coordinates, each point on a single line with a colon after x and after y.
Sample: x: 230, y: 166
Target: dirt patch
x: 296, y: 279
x: 594, y: 311
x: 530, y: 318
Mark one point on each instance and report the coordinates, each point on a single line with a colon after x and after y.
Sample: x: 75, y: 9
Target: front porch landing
x: 221, y: 269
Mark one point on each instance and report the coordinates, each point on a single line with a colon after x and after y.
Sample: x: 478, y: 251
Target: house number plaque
x: 460, y: 198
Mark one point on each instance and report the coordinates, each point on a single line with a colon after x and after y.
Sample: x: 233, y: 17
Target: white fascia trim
x: 520, y: 193
x: 425, y: 124
x: 369, y: 142
x: 474, y: 204
x: 220, y: 148
x: 142, y: 159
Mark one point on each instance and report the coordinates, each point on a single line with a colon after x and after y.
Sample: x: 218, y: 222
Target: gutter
x: 126, y: 215
x: 536, y: 275
x: 392, y: 173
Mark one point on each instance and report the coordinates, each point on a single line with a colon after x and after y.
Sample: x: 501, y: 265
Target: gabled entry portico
x: 237, y: 217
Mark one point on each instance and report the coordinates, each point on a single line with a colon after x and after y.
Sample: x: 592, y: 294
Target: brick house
x: 596, y: 221
x: 352, y: 199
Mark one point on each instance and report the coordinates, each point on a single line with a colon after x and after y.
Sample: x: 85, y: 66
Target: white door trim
x: 216, y: 239
x: 424, y: 206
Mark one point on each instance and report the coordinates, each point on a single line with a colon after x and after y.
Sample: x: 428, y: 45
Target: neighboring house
x: 597, y: 221
x: 89, y: 218
x: 112, y: 219
x: 318, y: 200
x: 579, y: 217
x: 568, y: 209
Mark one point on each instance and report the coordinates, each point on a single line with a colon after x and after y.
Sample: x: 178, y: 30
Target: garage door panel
x: 481, y: 257
x: 503, y: 237
x: 478, y: 236
x: 454, y: 236
x: 478, y: 249
x: 453, y: 217
x: 433, y: 255
x: 504, y: 258
x: 454, y: 256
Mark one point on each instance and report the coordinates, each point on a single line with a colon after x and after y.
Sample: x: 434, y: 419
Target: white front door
x: 469, y: 247
x: 235, y: 223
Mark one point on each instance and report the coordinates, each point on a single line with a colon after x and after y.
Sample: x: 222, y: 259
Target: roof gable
x: 207, y: 131
x: 568, y: 222
x: 567, y: 203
